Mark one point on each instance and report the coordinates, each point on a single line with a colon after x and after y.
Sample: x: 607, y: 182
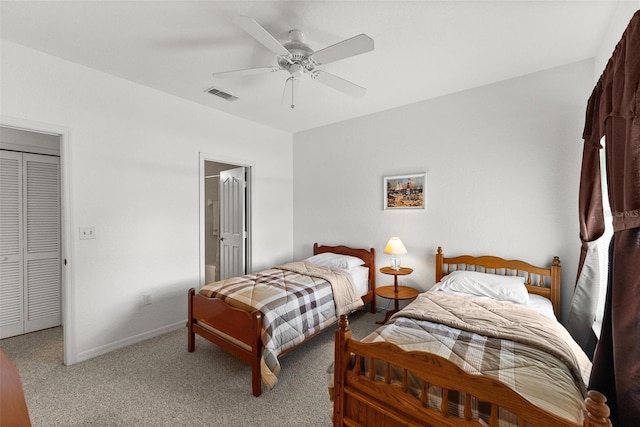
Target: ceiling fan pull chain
x: 284, y: 91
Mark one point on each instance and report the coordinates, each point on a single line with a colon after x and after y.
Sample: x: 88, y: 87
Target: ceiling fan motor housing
x: 298, y: 61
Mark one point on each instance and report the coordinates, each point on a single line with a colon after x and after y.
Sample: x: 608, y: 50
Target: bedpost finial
x: 343, y: 323
x: 556, y: 261
x: 596, y: 407
x: 440, y: 250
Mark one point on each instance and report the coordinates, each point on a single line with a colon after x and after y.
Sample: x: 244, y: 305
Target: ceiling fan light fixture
x: 296, y: 70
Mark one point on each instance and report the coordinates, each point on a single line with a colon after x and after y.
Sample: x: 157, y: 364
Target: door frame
x: 249, y: 167
x: 66, y: 225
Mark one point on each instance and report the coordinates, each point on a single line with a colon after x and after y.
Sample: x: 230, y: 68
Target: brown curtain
x: 613, y: 111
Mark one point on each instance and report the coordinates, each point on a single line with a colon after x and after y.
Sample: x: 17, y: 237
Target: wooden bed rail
x: 365, y: 396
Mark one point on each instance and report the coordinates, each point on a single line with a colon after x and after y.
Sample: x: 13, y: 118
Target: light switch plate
x: 87, y: 233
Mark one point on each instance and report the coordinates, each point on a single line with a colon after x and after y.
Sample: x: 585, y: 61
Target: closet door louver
x: 30, y: 276
x: 41, y: 242
x: 11, y: 284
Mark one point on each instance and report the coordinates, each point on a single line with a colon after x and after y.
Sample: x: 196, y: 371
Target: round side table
x: 395, y: 292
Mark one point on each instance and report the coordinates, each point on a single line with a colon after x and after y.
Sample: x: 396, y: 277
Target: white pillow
x: 360, y: 276
x: 329, y: 259
x: 502, y: 288
x: 542, y: 305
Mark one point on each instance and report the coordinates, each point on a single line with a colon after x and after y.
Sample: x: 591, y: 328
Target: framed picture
x: 405, y: 191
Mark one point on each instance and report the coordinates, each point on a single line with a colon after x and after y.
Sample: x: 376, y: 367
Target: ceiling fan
x: 296, y: 57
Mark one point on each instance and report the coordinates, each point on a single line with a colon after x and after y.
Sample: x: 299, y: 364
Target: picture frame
x: 402, y: 192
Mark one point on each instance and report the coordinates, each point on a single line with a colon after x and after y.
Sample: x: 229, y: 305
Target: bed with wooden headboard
x: 238, y: 327
x: 441, y: 362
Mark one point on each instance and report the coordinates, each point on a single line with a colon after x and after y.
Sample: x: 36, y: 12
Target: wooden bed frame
x: 361, y: 399
x: 239, y: 332
x: 546, y: 282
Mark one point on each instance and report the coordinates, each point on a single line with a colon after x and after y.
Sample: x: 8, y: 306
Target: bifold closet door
x: 42, y: 282
x: 11, y: 267
x: 31, y: 277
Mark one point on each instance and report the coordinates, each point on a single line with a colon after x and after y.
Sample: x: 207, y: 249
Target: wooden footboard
x: 362, y: 399
x: 234, y: 330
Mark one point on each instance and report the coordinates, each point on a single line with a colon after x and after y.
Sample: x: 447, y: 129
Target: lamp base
x: 395, y: 262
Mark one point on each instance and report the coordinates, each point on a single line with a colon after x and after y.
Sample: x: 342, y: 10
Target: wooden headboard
x: 544, y: 281
x: 366, y: 255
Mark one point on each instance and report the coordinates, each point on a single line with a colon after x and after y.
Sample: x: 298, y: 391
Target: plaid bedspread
x: 498, y: 340
x: 296, y: 301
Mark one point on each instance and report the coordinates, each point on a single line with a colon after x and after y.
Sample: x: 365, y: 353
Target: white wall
x: 620, y: 18
x: 502, y: 165
x: 133, y: 162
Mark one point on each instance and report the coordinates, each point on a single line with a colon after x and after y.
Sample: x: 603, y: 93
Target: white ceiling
x: 423, y: 49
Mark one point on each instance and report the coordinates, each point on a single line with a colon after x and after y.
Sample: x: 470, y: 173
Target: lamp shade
x: 395, y: 247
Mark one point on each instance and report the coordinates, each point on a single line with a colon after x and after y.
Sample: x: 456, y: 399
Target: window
x: 603, y: 243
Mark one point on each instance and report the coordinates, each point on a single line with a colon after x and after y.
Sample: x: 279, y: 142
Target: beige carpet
x: 158, y: 383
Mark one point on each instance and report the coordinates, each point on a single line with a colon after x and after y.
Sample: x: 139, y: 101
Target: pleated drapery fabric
x: 584, y: 302
x: 613, y: 111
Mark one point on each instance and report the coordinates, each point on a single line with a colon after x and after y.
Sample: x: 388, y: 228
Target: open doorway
x: 42, y: 249
x: 225, y: 220
x: 30, y: 254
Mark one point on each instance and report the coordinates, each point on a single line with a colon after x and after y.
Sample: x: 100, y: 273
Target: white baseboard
x: 98, y: 351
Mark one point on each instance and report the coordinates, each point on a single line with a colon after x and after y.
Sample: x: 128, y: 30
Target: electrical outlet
x: 146, y: 299
x: 87, y: 233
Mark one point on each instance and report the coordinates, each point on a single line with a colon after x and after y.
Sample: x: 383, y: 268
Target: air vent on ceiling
x: 224, y: 95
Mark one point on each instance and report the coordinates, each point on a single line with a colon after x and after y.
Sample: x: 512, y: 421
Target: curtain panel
x: 613, y: 111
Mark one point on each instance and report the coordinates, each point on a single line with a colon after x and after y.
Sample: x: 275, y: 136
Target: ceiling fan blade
x: 260, y: 34
x: 245, y: 72
x: 350, y: 47
x: 339, y: 84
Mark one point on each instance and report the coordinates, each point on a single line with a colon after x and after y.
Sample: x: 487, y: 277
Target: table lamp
x: 395, y: 248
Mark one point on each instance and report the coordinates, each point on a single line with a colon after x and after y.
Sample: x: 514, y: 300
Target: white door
x: 232, y: 222
x: 11, y: 277
x: 30, y: 279
x: 42, y: 283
